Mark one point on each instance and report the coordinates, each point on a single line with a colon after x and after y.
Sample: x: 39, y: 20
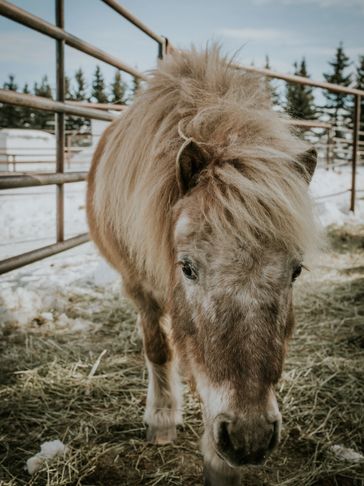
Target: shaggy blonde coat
x: 200, y: 97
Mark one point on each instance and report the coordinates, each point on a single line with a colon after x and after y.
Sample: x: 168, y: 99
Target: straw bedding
x: 57, y: 385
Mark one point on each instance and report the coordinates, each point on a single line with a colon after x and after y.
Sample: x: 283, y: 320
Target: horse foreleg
x: 164, y: 399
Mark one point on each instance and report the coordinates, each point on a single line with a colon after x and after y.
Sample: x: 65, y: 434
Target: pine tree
x: 270, y: 86
x: 80, y: 93
x: 43, y: 119
x: 338, y: 104
x: 98, y: 87
x: 118, y: 88
x: 359, y: 83
x: 136, y: 85
x: 10, y: 116
x: 43, y: 89
x: 26, y: 113
x: 11, y: 84
x: 68, y: 95
x: 300, y: 102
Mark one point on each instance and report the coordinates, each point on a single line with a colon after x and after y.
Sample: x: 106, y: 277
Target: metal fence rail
x: 33, y: 256
x: 30, y: 180
x: 45, y: 104
x: 61, y: 108
x: 57, y: 32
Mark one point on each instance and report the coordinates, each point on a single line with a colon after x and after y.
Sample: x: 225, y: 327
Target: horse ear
x: 191, y: 160
x: 307, y: 164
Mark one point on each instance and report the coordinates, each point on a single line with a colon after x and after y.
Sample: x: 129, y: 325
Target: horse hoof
x: 161, y: 436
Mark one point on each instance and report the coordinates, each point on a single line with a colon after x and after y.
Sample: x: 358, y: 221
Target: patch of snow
x: 46, y: 295
x: 74, y: 325
x: 48, y: 451
x: 346, y: 454
x: 20, y: 304
x: 331, y: 193
x: 28, y: 217
x: 105, y: 274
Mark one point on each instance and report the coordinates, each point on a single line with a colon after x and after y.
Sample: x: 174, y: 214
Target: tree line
x: 76, y: 89
x: 338, y: 109
x: 298, y: 100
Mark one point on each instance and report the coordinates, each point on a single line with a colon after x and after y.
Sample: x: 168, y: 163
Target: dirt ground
x: 46, y: 392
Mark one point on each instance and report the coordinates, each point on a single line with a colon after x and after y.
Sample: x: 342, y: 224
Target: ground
x: 54, y: 331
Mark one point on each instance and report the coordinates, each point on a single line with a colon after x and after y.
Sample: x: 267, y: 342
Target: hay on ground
x: 63, y: 386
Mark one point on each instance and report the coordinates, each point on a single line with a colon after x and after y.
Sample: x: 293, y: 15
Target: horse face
x: 231, y: 317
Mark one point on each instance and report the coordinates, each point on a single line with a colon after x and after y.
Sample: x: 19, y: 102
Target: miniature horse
x: 198, y: 196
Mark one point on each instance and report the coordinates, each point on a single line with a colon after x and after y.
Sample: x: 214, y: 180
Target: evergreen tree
x: 359, y: 83
x: 80, y: 93
x: 300, y: 102
x: 10, y: 116
x: 270, y: 86
x: 43, y: 89
x: 98, y: 87
x: 118, y: 88
x: 338, y: 104
x: 26, y: 113
x: 136, y: 85
x: 68, y: 95
x: 43, y: 119
x: 11, y: 84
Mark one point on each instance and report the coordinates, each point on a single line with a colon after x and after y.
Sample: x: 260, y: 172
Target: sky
x: 285, y: 30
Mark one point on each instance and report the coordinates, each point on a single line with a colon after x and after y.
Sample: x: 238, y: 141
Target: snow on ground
x: 48, y: 451
x: 28, y: 217
x: 45, y: 295
x: 39, y: 294
x: 346, y: 454
x: 331, y: 192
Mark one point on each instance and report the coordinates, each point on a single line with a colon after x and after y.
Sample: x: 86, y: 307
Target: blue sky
x: 286, y: 30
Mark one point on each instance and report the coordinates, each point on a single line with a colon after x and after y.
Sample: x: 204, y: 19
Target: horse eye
x: 188, y: 270
x: 297, y: 272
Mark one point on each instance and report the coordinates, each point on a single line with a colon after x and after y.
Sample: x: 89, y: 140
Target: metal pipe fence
x: 60, y: 107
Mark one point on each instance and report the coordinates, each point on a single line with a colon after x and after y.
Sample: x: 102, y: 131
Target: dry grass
x: 46, y: 392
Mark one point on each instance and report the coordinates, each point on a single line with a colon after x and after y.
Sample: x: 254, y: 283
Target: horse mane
x: 250, y: 186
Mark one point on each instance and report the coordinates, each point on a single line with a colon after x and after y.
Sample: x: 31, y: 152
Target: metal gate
x: 61, y: 108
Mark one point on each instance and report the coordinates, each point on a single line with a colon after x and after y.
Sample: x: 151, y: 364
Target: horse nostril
x: 224, y: 441
x: 226, y: 447
x: 275, y: 436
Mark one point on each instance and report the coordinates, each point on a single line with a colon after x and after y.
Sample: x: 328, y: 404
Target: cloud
x: 25, y: 47
x: 330, y: 51
x: 256, y: 34
x: 354, y: 51
x: 359, y: 4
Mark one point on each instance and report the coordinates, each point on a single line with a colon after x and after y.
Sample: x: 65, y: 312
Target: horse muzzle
x: 242, y: 442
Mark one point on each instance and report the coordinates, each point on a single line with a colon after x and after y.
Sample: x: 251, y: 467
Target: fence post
x: 328, y: 142
x: 60, y: 96
x: 355, y: 150
x: 163, y: 48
